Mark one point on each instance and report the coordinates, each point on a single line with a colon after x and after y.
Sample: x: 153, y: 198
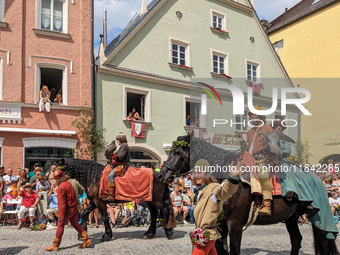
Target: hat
x: 257, y: 107
x: 8, y: 190
x: 187, y: 186
x: 58, y: 174
x: 37, y: 164
x: 27, y: 185
x: 278, y: 123
x: 14, y: 181
x: 121, y: 135
x: 203, y: 165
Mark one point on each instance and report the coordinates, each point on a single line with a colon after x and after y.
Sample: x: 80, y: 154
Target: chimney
x: 144, y: 8
x: 286, y: 10
x: 105, y: 29
x: 264, y: 23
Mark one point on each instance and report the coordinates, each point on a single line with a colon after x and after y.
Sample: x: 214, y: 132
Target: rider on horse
x: 122, y: 158
x: 255, y: 147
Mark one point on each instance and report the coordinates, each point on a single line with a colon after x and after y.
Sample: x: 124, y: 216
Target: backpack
x: 42, y: 219
x: 136, y: 221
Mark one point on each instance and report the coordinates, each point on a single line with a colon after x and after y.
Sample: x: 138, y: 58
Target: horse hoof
x: 169, y: 234
x: 148, y: 236
x: 106, y: 239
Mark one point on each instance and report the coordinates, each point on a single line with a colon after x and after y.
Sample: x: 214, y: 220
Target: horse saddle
x: 255, y: 185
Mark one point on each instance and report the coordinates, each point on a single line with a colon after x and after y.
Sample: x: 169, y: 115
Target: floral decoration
x: 199, y: 237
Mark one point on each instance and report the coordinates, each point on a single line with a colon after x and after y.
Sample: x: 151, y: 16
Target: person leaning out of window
x: 44, y: 102
x: 209, y: 198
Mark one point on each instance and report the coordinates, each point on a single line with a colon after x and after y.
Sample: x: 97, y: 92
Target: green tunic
x: 309, y: 188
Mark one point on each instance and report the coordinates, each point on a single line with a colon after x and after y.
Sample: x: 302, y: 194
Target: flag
x: 197, y: 132
x: 256, y: 88
x: 138, y: 130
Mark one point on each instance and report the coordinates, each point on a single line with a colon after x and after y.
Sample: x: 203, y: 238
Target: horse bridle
x: 172, y: 169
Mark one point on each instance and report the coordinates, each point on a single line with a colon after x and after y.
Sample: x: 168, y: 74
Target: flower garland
x: 175, y: 144
x: 62, y: 168
x: 199, y: 237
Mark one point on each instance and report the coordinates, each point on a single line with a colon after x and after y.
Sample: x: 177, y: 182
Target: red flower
x: 229, y: 77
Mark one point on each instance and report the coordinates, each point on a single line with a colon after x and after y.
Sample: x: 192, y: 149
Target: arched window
x: 141, y: 158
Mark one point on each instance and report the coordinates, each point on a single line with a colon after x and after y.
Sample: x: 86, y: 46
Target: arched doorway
x: 334, y: 157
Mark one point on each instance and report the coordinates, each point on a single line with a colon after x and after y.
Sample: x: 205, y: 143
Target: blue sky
x: 120, y: 12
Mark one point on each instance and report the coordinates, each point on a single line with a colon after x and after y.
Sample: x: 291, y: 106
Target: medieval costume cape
x: 309, y: 188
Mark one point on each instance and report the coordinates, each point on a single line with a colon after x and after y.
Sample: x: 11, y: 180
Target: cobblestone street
x: 259, y: 240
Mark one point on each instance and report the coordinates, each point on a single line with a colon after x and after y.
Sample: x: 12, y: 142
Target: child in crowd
x: 58, y: 99
x: 14, y: 188
x: 83, y: 204
x: 42, y: 184
x: 334, y: 202
x: 9, y: 207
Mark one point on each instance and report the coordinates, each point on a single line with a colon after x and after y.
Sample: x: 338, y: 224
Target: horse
x: 88, y: 174
x: 237, y: 208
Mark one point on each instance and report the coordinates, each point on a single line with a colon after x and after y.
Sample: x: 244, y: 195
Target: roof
x: 299, y: 11
x: 130, y: 28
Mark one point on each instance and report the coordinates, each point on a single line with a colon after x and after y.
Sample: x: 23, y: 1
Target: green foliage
x: 302, y: 152
x: 175, y: 144
x: 89, y: 132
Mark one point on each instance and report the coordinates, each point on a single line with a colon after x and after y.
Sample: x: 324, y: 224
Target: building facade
x: 44, y: 42
x: 157, y: 63
x: 306, y: 38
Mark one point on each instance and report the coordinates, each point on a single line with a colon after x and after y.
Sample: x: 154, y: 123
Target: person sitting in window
x: 196, y: 123
x: 135, y: 114
x: 58, y: 99
x: 188, y: 122
x: 130, y: 117
x: 44, y: 102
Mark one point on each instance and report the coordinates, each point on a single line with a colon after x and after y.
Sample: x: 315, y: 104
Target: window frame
x: 187, y: 51
x: 226, y: 61
x: 242, y: 117
x: 193, y: 100
x: 1, y: 76
x: 136, y: 90
x: 2, y: 10
x: 221, y: 15
x: 38, y: 79
x: 65, y: 16
x: 258, y: 70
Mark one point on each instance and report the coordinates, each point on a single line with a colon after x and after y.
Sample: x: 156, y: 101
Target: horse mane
x: 84, y: 171
x: 200, y: 149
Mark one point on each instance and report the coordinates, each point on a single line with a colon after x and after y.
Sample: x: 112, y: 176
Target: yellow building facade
x: 307, y: 39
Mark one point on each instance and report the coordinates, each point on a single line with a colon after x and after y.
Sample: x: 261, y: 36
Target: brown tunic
x: 123, y: 154
x: 258, y: 144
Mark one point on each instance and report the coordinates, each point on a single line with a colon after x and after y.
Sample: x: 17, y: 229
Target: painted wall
x: 310, y: 56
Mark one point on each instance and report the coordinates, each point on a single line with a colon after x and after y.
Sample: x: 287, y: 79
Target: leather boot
x: 86, y: 240
x: 112, y: 188
x: 55, y: 245
x: 266, y: 208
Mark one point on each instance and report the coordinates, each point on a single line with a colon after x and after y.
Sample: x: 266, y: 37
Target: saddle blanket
x: 136, y: 184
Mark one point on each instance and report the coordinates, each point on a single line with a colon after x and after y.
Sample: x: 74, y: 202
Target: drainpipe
x: 93, y: 67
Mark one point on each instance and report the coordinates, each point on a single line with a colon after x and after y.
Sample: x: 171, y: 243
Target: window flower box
x: 221, y: 74
x: 181, y: 66
x: 218, y: 30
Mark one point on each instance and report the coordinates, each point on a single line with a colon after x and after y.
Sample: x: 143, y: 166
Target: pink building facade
x: 42, y: 42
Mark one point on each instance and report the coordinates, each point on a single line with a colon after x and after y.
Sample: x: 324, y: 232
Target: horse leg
x: 85, y: 216
x: 221, y: 242
x: 294, y: 234
x: 235, y: 234
x: 101, y: 205
x: 152, y: 228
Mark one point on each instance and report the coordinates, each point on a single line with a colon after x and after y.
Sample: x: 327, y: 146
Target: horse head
x: 178, y: 162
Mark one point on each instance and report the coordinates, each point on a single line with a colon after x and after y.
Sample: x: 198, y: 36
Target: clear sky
x: 120, y: 12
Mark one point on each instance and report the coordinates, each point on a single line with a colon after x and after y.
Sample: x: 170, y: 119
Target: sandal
x: 19, y: 226
x: 97, y: 225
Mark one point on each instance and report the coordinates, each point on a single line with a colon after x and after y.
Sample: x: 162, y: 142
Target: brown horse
x: 236, y: 209
x: 88, y: 174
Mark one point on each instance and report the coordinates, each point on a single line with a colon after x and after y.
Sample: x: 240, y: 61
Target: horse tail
x: 167, y: 202
x: 322, y: 245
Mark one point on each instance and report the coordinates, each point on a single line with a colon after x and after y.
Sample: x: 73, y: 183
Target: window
x: 253, y: 71
x: 220, y: 63
x: 2, y: 10
x: 52, y: 15
x: 1, y: 76
x: 241, y: 119
x: 47, y: 156
x: 138, y: 99
x: 218, y: 20
x: 54, y: 76
x: 193, y: 113
x: 179, y: 53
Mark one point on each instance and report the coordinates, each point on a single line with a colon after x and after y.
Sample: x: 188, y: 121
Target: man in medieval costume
x: 67, y: 211
x: 122, y: 159
x: 263, y: 161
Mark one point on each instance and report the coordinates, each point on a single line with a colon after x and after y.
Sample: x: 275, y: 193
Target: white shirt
x: 334, y: 201
x: 8, y: 178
